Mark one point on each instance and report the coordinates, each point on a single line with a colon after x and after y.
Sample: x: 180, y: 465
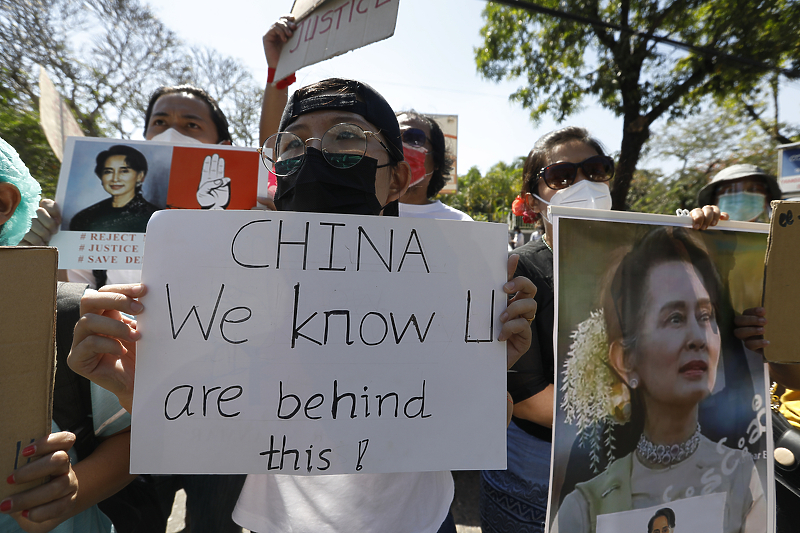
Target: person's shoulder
x: 453, y: 213
x: 82, y: 220
x: 436, y: 210
x: 535, y: 255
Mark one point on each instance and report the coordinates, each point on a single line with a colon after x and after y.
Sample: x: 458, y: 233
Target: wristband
x: 285, y: 82
x: 270, y: 74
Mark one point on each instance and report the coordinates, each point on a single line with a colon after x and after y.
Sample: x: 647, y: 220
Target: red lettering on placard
x: 378, y: 3
x: 299, y: 34
x: 352, y: 5
x: 313, y: 31
x: 339, y: 9
x: 358, y: 7
x: 330, y: 21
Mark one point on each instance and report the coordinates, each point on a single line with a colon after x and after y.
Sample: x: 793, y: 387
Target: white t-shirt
x: 416, y: 502
x: 435, y: 210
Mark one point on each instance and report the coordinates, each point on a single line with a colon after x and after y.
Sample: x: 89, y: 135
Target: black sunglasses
x: 559, y: 176
x: 414, y: 137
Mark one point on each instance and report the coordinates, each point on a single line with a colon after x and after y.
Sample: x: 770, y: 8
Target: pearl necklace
x: 667, y: 455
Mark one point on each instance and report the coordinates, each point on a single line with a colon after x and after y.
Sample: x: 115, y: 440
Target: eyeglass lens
x: 414, y: 137
x: 562, y: 175
x: 343, y: 146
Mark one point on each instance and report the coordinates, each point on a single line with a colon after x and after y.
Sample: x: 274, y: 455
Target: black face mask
x: 320, y: 188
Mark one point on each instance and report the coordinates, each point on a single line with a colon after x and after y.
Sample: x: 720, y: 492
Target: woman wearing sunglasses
x: 426, y: 153
x: 566, y: 167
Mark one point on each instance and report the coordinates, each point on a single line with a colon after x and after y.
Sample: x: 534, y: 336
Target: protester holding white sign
x: 368, y: 181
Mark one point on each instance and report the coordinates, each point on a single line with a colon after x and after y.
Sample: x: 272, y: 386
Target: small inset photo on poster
x: 700, y: 514
x: 109, y: 188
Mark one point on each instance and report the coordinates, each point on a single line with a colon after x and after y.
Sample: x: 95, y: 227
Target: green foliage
x: 702, y: 145
x: 488, y: 197
x: 19, y: 126
x: 106, y: 57
x: 561, y: 62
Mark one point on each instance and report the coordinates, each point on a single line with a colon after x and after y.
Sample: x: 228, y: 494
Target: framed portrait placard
x: 658, y: 405
x: 109, y: 188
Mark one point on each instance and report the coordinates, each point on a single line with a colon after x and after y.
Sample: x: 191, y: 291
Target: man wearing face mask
x: 742, y: 191
x: 177, y: 114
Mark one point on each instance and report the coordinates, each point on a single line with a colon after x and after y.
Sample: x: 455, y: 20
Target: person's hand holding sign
x: 517, y: 320
x: 214, y: 191
x: 104, y: 344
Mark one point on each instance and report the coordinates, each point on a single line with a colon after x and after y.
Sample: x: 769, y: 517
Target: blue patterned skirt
x: 515, y: 500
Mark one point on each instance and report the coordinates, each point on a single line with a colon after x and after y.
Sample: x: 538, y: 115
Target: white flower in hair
x: 594, y: 397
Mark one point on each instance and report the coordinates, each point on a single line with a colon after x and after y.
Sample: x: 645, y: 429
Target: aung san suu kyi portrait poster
x: 661, y: 413
x: 109, y: 188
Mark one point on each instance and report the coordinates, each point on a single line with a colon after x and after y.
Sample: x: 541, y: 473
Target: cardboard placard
x: 255, y: 323
x: 97, y: 234
x: 55, y: 116
x: 27, y: 353
x: 781, y: 284
x: 333, y: 28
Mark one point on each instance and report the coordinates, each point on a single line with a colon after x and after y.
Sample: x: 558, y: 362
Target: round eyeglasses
x: 559, y: 176
x: 343, y: 146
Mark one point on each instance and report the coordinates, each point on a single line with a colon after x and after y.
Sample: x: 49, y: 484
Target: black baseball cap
x: 348, y: 95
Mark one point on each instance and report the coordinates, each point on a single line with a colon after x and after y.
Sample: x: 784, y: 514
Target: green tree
x: 105, y: 58
x: 488, y: 197
x: 626, y: 69
x: 702, y: 145
x: 19, y: 126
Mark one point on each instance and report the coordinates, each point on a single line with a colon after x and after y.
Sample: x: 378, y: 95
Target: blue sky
x: 427, y: 65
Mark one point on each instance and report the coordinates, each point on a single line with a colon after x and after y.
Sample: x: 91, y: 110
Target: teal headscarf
x: 14, y: 171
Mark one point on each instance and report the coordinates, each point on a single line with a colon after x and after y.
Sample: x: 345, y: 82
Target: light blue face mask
x: 746, y: 206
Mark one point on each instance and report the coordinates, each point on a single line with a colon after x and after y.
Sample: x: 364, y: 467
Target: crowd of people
x: 399, y: 172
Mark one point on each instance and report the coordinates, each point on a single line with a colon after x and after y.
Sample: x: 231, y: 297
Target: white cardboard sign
x: 310, y: 344
x: 333, y: 28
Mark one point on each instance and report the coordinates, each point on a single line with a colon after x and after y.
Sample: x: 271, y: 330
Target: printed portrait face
x: 660, y: 525
x: 120, y: 180
x: 678, y: 346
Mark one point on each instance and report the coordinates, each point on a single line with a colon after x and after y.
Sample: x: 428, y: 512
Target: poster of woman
x: 108, y: 189
x: 657, y: 402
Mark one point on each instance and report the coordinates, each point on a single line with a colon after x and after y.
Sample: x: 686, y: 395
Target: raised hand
x: 214, y: 191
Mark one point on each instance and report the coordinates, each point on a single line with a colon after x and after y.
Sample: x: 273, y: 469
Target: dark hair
x: 350, y: 96
x: 442, y: 161
x: 220, y: 121
x: 539, y: 156
x: 133, y: 158
x: 667, y: 513
x: 623, y: 303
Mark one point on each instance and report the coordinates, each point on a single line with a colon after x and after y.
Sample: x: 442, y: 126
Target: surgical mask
x: 585, y: 194
x: 747, y: 206
x: 173, y: 136
x: 317, y: 187
x: 415, y: 157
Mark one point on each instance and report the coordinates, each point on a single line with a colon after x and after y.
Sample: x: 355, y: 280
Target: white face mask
x: 586, y: 194
x: 173, y: 136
